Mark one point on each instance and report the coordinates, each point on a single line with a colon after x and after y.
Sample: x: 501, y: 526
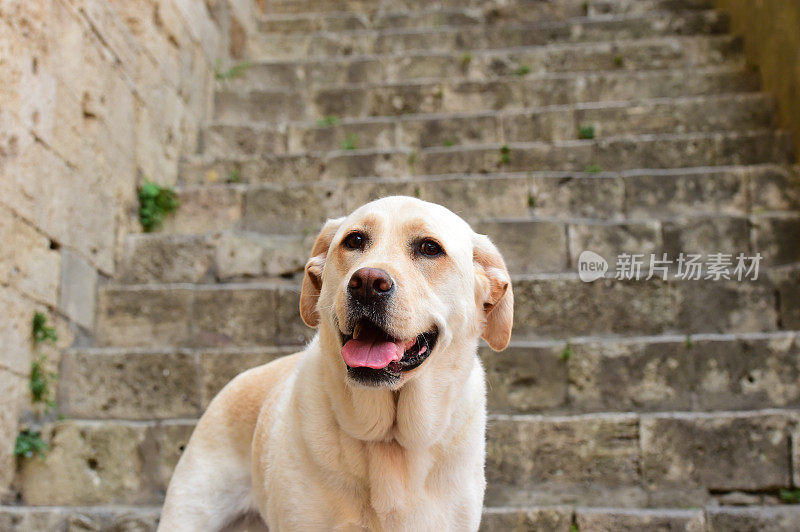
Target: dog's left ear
x: 493, y: 293
x: 312, y: 280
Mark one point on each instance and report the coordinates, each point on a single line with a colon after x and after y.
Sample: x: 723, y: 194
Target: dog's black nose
x: 368, y: 285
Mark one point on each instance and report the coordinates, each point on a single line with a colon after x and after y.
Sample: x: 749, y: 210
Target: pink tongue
x: 375, y: 354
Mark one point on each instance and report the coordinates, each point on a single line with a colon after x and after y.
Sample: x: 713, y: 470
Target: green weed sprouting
x: 234, y: 176
x: 30, y: 443
x: 618, y: 60
x: 235, y: 71
x: 688, y: 342
x: 466, y: 59
x: 593, y: 169
x: 328, y: 121
x: 39, y: 384
x: 449, y: 142
x: 566, y: 353
x: 586, y: 131
x: 531, y: 200
x: 505, y: 154
x: 155, y: 202
x: 790, y: 496
x: 41, y: 331
x: 522, y: 70
x: 40, y: 379
x: 350, y: 142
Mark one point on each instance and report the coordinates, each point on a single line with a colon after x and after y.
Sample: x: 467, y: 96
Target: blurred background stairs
x: 610, y: 125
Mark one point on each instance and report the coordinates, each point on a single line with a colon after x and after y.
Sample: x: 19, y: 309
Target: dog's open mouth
x: 369, y: 346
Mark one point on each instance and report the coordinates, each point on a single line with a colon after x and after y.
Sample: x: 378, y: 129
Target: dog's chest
x: 399, y: 480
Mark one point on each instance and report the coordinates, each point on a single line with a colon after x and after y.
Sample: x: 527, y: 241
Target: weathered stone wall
x: 771, y: 29
x: 95, y: 95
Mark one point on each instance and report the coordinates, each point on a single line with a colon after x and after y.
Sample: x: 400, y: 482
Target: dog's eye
x: 354, y: 241
x: 430, y: 248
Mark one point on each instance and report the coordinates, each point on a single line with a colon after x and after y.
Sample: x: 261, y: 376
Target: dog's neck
x: 417, y: 415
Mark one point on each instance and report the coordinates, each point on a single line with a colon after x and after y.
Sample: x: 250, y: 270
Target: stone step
x: 610, y: 153
x: 546, y: 306
x: 495, y: 519
x: 548, y: 11
x: 583, y: 375
x: 656, y: 194
x: 463, y: 95
x: 72, y: 518
x: 272, y: 246
x: 282, y: 43
x: 244, y: 129
x: 634, y: 195
x: 712, y: 519
x: 674, y: 459
x: 477, y: 65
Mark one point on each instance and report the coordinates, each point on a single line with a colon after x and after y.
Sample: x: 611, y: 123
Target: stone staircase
x: 620, y: 405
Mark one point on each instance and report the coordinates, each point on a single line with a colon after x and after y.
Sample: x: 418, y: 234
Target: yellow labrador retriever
x: 379, y: 423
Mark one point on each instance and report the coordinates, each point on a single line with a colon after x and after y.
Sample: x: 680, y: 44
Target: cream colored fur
x: 301, y: 444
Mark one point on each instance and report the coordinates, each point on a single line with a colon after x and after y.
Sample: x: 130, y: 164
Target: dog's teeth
x: 357, y: 330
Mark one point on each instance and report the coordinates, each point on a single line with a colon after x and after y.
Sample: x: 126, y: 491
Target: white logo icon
x: 591, y: 266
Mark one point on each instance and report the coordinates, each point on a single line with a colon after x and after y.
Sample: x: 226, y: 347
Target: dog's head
x: 398, y: 283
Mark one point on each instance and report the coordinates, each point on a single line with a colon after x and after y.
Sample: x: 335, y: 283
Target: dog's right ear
x: 312, y: 280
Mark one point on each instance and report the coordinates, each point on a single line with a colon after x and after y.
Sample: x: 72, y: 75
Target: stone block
x: 14, y: 390
x: 669, y: 193
x: 707, y: 236
x: 110, y: 463
x: 529, y: 450
x: 450, y: 131
x: 749, y: 372
x: 529, y: 247
x: 230, y: 139
x: 720, y: 452
x: 143, y: 317
x: 247, y: 255
x: 621, y: 376
x: 163, y: 258
x: 539, y: 125
x: 87, y: 464
x: 576, y: 195
x: 788, y: 285
x: 267, y: 106
x: 346, y: 165
x: 373, y: 134
x: 475, y: 199
x: 610, y: 240
x: 340, y: 102
x: 16, y: 331
x: 725, y: 306
x: 763, y: 519
x: 206, y: 209
x: 406, y: 98
x: 26, y: 260
x: 774, y: 188
x: 555, y: 519
x: 776, y: 238
x: 285, y: 210
x: 564, y: 307
x: 131, y: 384
x: 78, y: 289
x: 525, y: 379
x: 243, y: 316
x: 607, y: 520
